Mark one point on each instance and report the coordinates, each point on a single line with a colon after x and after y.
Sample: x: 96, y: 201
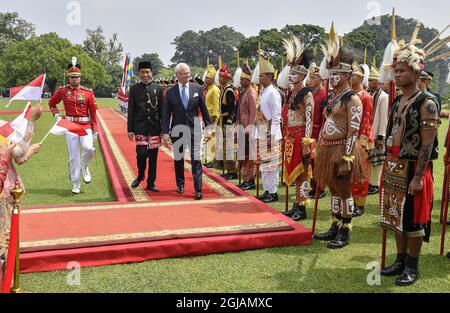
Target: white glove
x: 59, y: 117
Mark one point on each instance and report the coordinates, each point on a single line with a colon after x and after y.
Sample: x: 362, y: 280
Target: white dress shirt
x: 270, y: 106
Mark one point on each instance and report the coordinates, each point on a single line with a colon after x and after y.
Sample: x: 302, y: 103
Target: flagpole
x: 48, y: 133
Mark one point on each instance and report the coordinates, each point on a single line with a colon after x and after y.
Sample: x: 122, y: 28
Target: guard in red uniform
x: 80, y: 108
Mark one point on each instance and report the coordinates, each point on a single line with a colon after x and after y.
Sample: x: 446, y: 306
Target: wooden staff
x: 444, y: 215
x: 392, y: 92
x: 240, y: 172
x: 444, y: 197
x: 318, y: 187
x: 257, y: 179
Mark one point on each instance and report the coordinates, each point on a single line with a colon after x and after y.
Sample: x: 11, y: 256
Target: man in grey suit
x: 182, y: 126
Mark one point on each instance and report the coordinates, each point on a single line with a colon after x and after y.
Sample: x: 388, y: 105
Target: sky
x: 150, y: 26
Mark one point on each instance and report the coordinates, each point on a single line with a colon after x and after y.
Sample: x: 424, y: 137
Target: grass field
x: 288, y: 269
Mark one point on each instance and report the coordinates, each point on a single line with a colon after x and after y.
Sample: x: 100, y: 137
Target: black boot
x: 396, y: 268
x: 330, y: 234
x: 299, y: 214
x: 358, y: 211
x: 295, y: 208
x: 342, y: 239
x: 410, y: 274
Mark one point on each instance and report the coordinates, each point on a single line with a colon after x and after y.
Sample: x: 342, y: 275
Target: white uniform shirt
x: 270, y: 106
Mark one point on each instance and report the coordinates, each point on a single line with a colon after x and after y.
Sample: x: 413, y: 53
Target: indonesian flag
x: 65, y: 127
x: 15, y: 130
x: 32, y: 91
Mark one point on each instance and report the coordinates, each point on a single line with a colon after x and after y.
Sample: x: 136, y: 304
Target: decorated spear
x: 387, y: 76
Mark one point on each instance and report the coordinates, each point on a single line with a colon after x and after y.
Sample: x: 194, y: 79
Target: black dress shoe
x: 152, y: 188
x: 230, y: 176
x: 373, y: 190
x: 180, y: 190
x: 249, y: 185
x: 342, y: 239
x: 448, y: 222
x: 407, y: 277
x: 198, y: 196
x: 358, y: 211
x: 272, y: 197
x: 330, y: 234
x: 448, y: 255
x: 260, y: 197
x: 136, y: 183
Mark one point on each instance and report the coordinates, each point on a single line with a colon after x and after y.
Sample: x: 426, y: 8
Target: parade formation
x: 316, y: 127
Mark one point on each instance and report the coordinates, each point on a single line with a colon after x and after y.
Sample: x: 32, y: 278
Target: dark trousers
x: 142, y: 154
x: 194, y: 149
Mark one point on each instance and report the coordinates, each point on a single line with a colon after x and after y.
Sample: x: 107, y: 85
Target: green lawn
x: 289, y: 269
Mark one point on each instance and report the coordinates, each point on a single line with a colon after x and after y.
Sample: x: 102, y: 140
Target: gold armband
x: 431, y: 123
x: 349, y: 158
x: 308, y: 141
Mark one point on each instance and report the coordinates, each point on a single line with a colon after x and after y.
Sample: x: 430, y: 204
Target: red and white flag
x: 32, y: 91
x: 15, y: 130
x: 65, y: 127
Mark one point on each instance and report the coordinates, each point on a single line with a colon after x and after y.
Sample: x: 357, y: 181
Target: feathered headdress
x: 332, y: 53
x: 296, y: 61
x: 237, y: 78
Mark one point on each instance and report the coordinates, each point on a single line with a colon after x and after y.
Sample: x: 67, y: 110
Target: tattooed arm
x: 354, y: 116
x: 428, y: 131
x: 309, y: 121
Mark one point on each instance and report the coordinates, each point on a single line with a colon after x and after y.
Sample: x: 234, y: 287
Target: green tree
x: 376, y: 37
x: 193, y: 48
x: 108, y: 53
x: 13, y: 28
x: 157, y: 64
x: 23, y: 61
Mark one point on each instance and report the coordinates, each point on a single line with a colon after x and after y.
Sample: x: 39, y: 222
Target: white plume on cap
x: 255, y: 76
x: 237, y: 78
x: 324, y: 72
x: 74, y: 61
x: 386, y: 71
x: 366, y: 70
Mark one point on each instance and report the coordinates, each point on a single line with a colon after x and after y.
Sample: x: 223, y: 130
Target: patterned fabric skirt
x: 152, y: 142
x: 269, y: 154
x: 377, y: 156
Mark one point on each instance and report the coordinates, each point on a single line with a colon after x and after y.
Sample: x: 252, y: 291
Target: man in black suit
x: 145, y: 103
x: 183, y: 102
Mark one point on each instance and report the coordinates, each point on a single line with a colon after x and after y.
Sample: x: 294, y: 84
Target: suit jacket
x: 145, y: 118
x: 180, y: 116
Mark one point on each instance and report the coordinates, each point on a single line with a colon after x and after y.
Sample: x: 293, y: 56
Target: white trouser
x: 375, y: 174
x: 73, y: 147
x: 270, y: 180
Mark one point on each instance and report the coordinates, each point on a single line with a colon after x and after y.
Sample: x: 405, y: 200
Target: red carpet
x: 144, y: 226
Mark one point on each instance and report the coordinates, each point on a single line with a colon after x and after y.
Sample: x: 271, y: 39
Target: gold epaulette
x: 85, y: 88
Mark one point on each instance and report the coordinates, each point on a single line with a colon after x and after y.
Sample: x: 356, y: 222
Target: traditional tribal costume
x: 225, y: 147
x: 365, y: 137
x: 246, y: 119
x: 268, y: 120
x: 212, y: 100
x: 380, y: 118
x: 407, y: 178
x: 298, y: 114
x: 340, y: 156
x: 320, y: 102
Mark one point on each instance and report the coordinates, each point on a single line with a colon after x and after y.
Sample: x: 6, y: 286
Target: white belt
x: 78, y: 119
